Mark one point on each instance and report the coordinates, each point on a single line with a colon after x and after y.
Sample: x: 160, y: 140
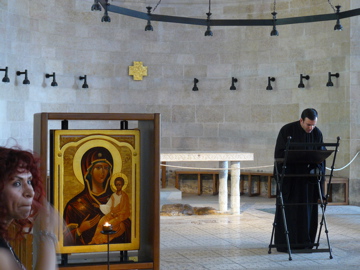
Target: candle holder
x: 108, y: 233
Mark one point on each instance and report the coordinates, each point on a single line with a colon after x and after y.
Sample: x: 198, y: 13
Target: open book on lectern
x: 308, y: 156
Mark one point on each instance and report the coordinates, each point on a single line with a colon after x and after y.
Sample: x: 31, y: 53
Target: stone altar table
x: 223, y: 158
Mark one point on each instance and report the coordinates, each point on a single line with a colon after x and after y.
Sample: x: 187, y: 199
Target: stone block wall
x: 66, y: 37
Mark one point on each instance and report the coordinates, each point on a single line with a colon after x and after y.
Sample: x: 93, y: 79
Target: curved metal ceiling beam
x: 232, y: 22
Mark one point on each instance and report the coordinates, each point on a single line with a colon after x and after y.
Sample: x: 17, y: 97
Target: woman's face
x: 99, y: 172
x: 18, y: 196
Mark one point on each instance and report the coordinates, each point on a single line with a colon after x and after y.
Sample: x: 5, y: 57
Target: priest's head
x: 308, y: 119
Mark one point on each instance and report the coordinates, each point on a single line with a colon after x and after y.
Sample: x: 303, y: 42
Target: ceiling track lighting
x: 53, y: 83
x: 6, y: 78
x: 195, y: 88
x: 338, y: 26
x: 85, y: 85
x: 208, y: 32
x: 270, y: 79
x: 96, y: 6
x: 148, y: 26
x: 26, y: 80
x: 301, y: 84
x: 232, y: 22
x: 330, y: 83
x: 233, y: 81
x: 106, y: 17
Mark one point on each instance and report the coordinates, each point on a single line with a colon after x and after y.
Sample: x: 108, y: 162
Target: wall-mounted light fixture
x: 148, y: 26
x: 85, y: 85
x: 301, y: 84
x: 338, y: 26
x: 274, y: 31
x: 208, y: 31
x: 106, y: 17
x: 6, y: 78
x: 195, y: 88
x: 270, y: 79
x: 53, y: 83
x: 26, y: 80
x: 233, y: 81
x: 96, y: 6
x: 330, y: 83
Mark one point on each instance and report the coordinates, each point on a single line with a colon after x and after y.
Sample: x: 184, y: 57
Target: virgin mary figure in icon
x: 82, y: 213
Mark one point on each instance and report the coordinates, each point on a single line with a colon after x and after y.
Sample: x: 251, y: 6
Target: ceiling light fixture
x: 96, y: 6
x: 106, y: 17
x: 338, y: 26
x: 274, y: 31
x: 6, y: 78
x: 26, y: 80
x: 148, y: 26
x: 208, y: 31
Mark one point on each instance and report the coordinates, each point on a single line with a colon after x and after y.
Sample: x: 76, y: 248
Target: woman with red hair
x: 23, y: 205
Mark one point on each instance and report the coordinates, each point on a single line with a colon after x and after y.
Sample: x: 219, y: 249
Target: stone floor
x: 241, y: 241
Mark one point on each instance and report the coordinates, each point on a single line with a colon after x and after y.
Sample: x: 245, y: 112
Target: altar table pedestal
x: 224, y: 158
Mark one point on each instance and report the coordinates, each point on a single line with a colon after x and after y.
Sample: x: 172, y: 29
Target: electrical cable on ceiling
x: 156, y: 5
x: 329, y: 1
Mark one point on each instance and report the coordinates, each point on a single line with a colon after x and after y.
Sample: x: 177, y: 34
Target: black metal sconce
x: 330, y: 83
x: 96, y: 6
x: 6, y: 78
x: 26, y: 80
x: 233, y: 81
x: 106, y: 17
x: 148, y: 26
x: 53, y: 83
x: 270, y: 79
x: 195, y: 88
x: 338, y: 26
x: 85, y: 85
x: 301, y: 84
x: 208, y: 31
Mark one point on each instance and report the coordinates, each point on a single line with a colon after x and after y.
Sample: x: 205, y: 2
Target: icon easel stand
x: 300, y: 156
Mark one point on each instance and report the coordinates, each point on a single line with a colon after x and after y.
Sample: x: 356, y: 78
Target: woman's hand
x: 47, y: 224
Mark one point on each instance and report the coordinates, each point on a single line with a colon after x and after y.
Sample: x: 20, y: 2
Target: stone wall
x: 354, y: 68
x: 65, y: 37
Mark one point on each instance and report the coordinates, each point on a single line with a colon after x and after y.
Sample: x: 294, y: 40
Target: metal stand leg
x: 323, y: 221
x: 285, y: 224
x: 108, y: 251
x: 108, y: 245
x: 272, y: 233
x: 286, y: 231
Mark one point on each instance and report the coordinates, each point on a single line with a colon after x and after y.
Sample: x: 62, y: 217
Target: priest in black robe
x: 300, y: 194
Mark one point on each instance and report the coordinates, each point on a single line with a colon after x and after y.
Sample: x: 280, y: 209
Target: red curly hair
x: 13, y: 161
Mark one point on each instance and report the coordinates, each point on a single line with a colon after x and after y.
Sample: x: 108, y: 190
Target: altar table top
x: 206, y: 156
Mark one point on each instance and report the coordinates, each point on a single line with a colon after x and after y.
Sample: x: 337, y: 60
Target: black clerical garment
x: 301, y: 218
